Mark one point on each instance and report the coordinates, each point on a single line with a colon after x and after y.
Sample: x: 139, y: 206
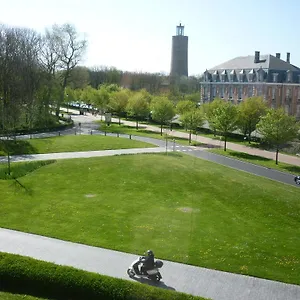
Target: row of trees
x: 34, y: 72
x: 223, y: 117
x: 274, y: 125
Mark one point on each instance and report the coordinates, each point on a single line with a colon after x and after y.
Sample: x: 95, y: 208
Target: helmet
x: 150, y: 253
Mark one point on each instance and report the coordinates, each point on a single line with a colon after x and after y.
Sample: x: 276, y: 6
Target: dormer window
x: 216, y: 76
x: 224, y: 76
x: 275, y: 77
x: 232, y: 75
x: 242, y: 75
x: 206, y: 76
x: 289, y: 76
x: 261, y: 75
x: 251, y: 75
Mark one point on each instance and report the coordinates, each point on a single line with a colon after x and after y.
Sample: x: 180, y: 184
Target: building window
x: 240, y: 92
x: 275, y: 77
x: 230, y: 92
x: 273, y: 93
x: 261, y: 75
x: 250, y: 91
x: 222, y: 92
x: 213, y: 92
x: 288, y: 93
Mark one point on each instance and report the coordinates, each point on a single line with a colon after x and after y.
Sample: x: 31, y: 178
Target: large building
x: 268, y: 76
x: 179, y: 60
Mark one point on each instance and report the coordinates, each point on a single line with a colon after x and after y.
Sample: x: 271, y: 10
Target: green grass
x: 72, y: 143
x: 11, y: 296
x: 238, y: 222
x: 258, y: 160
x: 125, y: 129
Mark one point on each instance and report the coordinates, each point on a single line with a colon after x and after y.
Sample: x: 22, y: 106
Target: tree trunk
x: 225, y: 142
x: 161, y: 125
x: 277, y: 150
x: 249, y: 137
x: 119, y: 120
x: 190, y: 136
x: 137, y: 124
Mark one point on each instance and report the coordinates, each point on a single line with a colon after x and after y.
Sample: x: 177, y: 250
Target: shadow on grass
x: 292, y: 169
x: 21, y: 169
x: 249, y: 156
x: 16, y: 147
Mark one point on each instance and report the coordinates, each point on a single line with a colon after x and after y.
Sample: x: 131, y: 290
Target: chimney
x: 278, y: 55
x: 288, y: 56
x: 256, y: 57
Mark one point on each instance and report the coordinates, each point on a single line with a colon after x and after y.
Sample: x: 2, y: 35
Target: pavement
x: 197, y: 281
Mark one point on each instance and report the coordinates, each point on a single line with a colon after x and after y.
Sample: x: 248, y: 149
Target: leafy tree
x: 162, y: 110
x: 79, y: 77
x: 249, y: 113
x: 101, y: 99
x: 192, y: 119
x: 184, y: 106
x: 118, y: 102
x: 209, y: 110
x: 225, y: 119
x: 277, y: 128
x: 138, y: 106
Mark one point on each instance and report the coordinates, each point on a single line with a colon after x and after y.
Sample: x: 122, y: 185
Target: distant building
x: 179, y: 60
x: 268, y: 76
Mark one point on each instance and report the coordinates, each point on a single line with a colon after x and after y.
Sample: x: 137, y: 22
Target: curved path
x: 193, y: 280
x: 197, y: 281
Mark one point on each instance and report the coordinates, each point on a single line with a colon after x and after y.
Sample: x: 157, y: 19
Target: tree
x: 101, y: 99
x: 69, y: 51
x: 249, y: 113
x: 79, y: 78
x: 162, y: 110
x: 138, y: 107
x: 192, y: 119
x: 225, y: 119
x: 118, y: 102
x: 278, y: 128
x: 209, y: 110
x: 184, y: 106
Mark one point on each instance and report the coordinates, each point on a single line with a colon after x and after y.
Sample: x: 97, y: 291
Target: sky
x: 136, y: 35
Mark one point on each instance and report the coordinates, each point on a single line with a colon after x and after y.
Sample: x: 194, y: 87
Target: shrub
x: 25, y: 275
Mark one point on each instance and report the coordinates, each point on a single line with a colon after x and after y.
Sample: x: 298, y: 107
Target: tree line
x: 274, y: 125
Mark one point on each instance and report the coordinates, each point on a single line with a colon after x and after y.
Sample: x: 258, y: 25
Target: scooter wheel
x: 130, y: 273
x: 156, y: 277
x: 297, y: 181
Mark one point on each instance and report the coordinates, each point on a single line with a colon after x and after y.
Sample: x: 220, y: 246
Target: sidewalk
x: 197, y: 281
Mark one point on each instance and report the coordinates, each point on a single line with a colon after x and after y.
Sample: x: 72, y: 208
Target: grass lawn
x: 185, y: 209
x: 125, y: 129
x: 10, y: 296
x: 258, y: 160
x: 72, y: 143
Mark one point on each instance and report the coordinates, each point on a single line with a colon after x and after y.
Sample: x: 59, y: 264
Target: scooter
x: 136, y: 270
x: 297, y: 179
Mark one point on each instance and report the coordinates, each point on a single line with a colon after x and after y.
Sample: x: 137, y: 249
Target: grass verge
x: 71, y: 143
x: 126, y: 129
x: 42, y: 279
x: 207, y: 214
x: 258, y: 160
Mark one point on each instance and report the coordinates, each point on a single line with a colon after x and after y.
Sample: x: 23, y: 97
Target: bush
x: 25, y: 275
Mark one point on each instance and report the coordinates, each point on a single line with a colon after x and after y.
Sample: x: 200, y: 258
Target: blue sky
x: 136, y: 35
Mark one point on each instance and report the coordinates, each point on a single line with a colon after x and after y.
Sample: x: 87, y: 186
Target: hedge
x: 24, y: 275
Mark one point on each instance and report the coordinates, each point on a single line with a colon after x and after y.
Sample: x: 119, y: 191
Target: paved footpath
x: 183, y: 278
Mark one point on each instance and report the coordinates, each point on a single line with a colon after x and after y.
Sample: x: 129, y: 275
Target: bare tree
x: 69, y: 50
